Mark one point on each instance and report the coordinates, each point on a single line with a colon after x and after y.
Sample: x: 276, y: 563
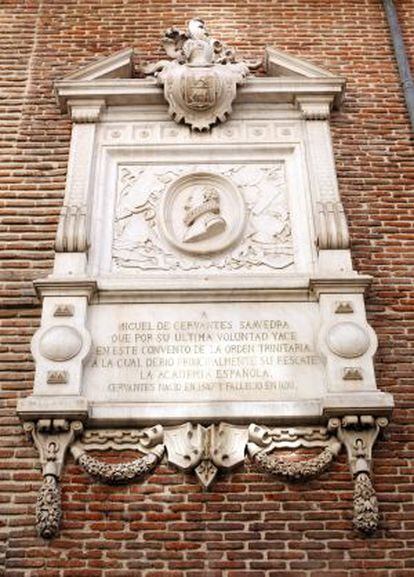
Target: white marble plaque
x: 194, y: 353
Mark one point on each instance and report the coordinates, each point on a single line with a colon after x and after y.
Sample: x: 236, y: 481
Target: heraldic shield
x: 200, y: 88
x: 200, y: 82
x: 201, y: 96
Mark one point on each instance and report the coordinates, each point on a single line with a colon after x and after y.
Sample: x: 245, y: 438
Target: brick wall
x: 249, y: 525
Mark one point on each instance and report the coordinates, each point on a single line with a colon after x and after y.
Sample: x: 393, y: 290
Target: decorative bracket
x: 52, y: 439
x: 71, y: 235
x: 358, y: 434
x: 332, y: 226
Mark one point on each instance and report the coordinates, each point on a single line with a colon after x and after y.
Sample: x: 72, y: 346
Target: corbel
x: 85, y: 111
x: 314, y: 107
x: 71, y: 235
x: 358, y: 434
x: 72, y: 232
x: 52, y: 438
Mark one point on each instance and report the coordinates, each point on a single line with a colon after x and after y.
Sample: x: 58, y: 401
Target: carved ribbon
x: 293, y: 470
x: 120, y: 473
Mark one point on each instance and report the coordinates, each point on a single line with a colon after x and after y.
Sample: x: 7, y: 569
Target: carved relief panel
x: 213, y: 217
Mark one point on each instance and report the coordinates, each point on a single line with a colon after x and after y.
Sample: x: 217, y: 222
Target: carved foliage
x: 366, y: 514
x: 359, y: 435
x: 294, y: 470
x: 48, y: 508
x: 204, y: 450
x: 263, y: 441
x: 121, y: 473
x: 149, y: 441
x: 52, y: 439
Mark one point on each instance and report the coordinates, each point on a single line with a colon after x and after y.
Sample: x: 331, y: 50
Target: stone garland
x: 120, y: 473
x: 295, y: 470
x: 48, y: 508
x: 357, y: 434
x: 366, y: 514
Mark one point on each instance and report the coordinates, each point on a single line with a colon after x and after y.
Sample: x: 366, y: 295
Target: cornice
x: 136, y: 91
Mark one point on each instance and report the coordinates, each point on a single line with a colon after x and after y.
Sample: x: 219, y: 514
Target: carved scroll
x: 71, y: 234
x: 332, y: 226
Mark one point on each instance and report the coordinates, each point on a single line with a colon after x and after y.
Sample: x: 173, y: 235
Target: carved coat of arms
x: 200, y: 83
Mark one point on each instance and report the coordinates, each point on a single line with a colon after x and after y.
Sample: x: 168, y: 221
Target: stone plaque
x: 202, y: 282
x: 204, y: 353
x: 202, y: 268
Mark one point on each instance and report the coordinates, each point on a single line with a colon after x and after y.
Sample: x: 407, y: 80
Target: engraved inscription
x: 172, y: 356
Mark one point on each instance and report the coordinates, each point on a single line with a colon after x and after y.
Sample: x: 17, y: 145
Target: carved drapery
x: 205, y: 450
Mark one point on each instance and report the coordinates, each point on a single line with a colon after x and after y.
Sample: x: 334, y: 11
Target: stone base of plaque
x: 53, y: 407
